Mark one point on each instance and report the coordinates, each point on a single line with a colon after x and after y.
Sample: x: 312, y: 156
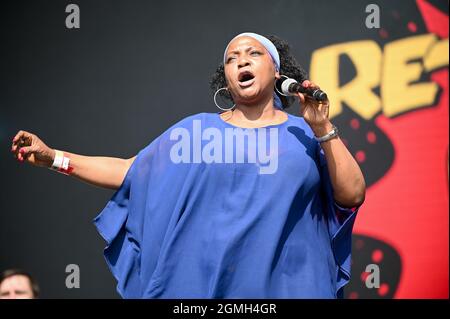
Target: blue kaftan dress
x: 199, y: 225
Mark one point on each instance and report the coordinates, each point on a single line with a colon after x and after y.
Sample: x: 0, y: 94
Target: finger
x: 16, y: 147
x: 306, y: 83
x: 18, y: 156
x: 310, y: 99
x: 22, y: 136
x: 322, y: 108
x: 17, y: 143
x: 18, y: 136
x: 301, y: 97
x: 326, y: 108
x: 27, y: 150
x: 304, y: 108
x: 313, y: 85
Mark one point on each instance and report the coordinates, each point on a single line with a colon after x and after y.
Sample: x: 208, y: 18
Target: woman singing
x: 251, y: 202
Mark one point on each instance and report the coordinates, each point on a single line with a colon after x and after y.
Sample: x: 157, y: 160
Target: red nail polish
x: 21, y: 151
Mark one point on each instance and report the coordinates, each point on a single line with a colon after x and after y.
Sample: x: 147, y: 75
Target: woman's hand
x: 349, y: 187
x: 314, y: 112
x: 29, y: 148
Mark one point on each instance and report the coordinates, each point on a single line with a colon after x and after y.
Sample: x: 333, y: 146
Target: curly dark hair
x: 289, y: 67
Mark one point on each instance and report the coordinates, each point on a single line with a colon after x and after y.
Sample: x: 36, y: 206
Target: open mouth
x: 246, y: 78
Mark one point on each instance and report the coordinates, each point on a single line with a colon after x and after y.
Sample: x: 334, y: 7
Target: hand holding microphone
x: 314, y: 104
x: 290, y: 87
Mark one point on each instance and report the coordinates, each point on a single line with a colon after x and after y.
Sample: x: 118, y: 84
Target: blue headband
x: 270, y: 47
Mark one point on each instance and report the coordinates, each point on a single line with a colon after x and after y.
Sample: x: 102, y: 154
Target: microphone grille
x: 285, y: 86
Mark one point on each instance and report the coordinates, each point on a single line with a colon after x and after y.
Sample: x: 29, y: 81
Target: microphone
x: 290, y: 87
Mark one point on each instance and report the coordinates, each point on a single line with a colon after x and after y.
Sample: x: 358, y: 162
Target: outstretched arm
x: 106, y: 172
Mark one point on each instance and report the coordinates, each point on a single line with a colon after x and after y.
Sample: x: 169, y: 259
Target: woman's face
x: 249, y: 71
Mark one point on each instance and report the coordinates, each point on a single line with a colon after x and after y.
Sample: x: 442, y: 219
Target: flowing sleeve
x: 119, y: 223
x: 340, y: 226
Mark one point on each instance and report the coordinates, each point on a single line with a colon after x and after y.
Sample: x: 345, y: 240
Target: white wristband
x: 58, y: 161
x: 61, y: 163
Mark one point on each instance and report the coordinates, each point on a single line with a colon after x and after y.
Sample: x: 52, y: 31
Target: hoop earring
x: 215, y: 102
x: 276, y: 89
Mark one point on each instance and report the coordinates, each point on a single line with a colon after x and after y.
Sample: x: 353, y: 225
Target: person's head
x: 251, y: 65
x: 18, y: 284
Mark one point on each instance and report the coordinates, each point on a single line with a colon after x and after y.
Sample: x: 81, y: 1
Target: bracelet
x: 61, y: 163
x: 332, y: 134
